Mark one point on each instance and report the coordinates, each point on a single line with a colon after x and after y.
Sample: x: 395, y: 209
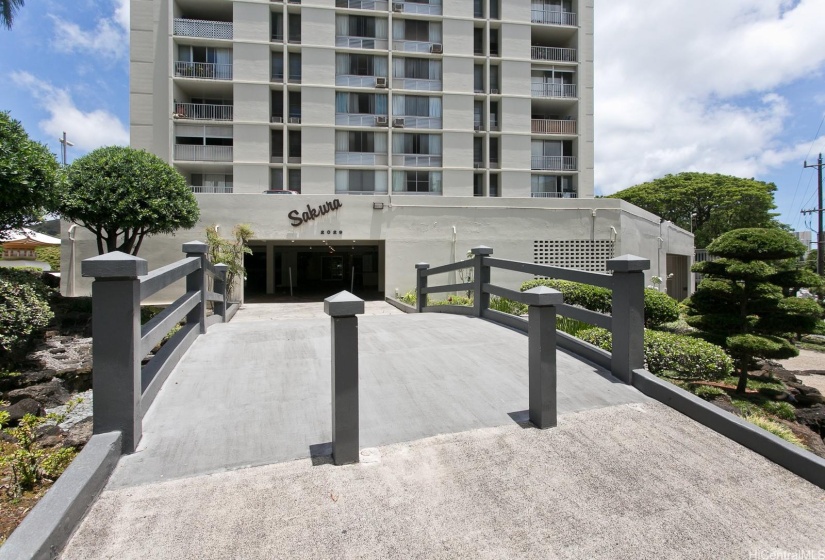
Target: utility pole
x: 820, y: 235
x: 65, y: 142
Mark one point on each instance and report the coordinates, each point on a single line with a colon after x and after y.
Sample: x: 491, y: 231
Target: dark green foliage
x: 7, y: 10
x: 123, y: 195
x: 505, y: 305
x: 713, y: 203
x: 28, y: 177
x: 668, y: 352
x: 24, y: 311
x: 50, y: 255
x: 659, y: 307
x: 739, y: 306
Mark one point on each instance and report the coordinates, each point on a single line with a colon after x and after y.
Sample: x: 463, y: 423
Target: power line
x: 799, y: 180
x: 820, y: 234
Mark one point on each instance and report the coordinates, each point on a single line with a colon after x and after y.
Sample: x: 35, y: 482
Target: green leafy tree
x: 713, y: 203
x: 28, y: 177
x: 230, y: 252
x: 7, y: 10
x: 739, y: 304
x: 123, y: 195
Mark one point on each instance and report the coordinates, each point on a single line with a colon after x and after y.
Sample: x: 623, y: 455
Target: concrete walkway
x: 256, y: 391
x: 629, y: 481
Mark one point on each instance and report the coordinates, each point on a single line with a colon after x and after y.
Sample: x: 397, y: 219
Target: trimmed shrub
x: 688, y: 356
x: 24, y: 310
x: 659, y: 307
x: 50, y: 255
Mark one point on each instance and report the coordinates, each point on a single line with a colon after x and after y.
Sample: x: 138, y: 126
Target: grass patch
x: 760, y: 405
x: 776, y: 429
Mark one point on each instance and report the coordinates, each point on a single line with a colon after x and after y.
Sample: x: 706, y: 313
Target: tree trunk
x: 742, y: 368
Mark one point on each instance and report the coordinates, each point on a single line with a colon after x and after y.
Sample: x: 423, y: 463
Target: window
x: 495, y: 12
x: 278, y: 66
x: 276, y: 179
x: 494, y: 184
x: 478, y: 184
x: 478, y: 78
x: 361, y: 103
x: 294, y: 180
x: 478, y: 115
x: 294, y: 104
x: 294, y: 28
x: 278, y: 104
x: 277, y: 144
x: 478, y: 40
x: 361, y: 26
x: 494, y: 42
x: 360, y: 181
x: 478, y: 8
x: 494, y: 152
x: 494, y: 111
x: 416, y: 30
x: 360, y: 65
x: 424, y: 144
x: 277, y: 26
x: 417, y: 181
x: 295, y: 144
x: 478, y: 150
x: 494, y: 82
x: 294, y: 67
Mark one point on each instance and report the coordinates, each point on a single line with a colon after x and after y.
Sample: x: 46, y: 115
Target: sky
x: 731, y: 86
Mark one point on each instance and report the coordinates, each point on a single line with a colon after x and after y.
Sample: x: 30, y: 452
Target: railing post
x: 420, y: 285
x: 116, y: 383
x: 481, y: 276
x: 628, y: 315
x: 197, y: 282
x: 541, y: 336
x: 343, y: 308
x: 220, y: 288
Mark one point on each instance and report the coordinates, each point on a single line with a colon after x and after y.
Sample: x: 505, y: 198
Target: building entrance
x: 311, y: 272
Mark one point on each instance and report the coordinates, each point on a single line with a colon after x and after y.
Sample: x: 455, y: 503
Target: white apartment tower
x: 487, y: 98
x: 412, y: 129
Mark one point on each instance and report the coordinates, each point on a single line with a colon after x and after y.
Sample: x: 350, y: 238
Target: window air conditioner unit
x: 294, y: 120
x: 277, y: 119
x: 381, y: 82
x: 380, y: 121
x: 494, y: 91
x: 397, y: 6
x: 436, y: 48
x: 398, y: 123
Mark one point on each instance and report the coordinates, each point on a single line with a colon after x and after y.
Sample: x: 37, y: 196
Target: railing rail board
x: 469, y: 263
x: 596, y: 278
x: 448, y: 288
x: 167, y: 275
x: 159, y: 326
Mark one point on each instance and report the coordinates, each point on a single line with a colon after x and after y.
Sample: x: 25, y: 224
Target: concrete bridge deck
x: 621, y: 477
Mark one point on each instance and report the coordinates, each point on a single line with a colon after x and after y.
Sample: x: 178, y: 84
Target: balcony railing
x: 381, y: 5
x: 554, y: 163
x: 351, y: 80
x: 361, y: 42
x: 420, y: 122
x: 413, y: 46
x: 417, y: 160
x: 555, y: 54
x: 553, y: 90
x: 369, y: 193
x: 552, y: 126
x: 219, y: 189
x: 552, y: 17
x: 203, y: 70
x: 203, y: 112
x: 203, y: 28
x: 360, y: 158
x: 357, y: 119
x: 554, y: 195
x: 187, y: 152
x: 431, y: 9
x: 417, y: 84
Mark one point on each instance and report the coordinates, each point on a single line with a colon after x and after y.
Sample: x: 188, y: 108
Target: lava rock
x: 813, y: 417
x: 49, y: 394
x: 79, y: 434
x: 49, y: 436
x: 19, y: 409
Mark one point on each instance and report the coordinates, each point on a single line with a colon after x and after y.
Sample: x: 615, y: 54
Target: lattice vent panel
x: 582, y: 255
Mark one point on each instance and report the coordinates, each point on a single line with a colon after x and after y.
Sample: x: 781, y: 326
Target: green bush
x: 659, y: 307
x: 706, y: 392
x: 408, y: 298
x: 505, y: 305
x: 688, y: 356
x: 452, y: 300
x: 24, y: 310
x: 50, y: 255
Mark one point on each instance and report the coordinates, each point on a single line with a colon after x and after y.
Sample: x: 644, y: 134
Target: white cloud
x: 690, y: 85
x: 109, y: 38
x: 87, y: 130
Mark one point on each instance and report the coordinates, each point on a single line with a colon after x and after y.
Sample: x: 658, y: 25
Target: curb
x: 48, y: 526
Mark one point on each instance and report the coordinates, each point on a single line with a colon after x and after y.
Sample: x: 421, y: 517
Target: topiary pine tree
x: 740, y: 303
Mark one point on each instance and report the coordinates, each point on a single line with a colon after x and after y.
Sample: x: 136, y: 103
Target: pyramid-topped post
x: 628, y: 315
x: 481, y: 276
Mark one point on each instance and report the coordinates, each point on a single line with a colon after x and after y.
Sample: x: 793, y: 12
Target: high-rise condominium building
x: 413, y: 130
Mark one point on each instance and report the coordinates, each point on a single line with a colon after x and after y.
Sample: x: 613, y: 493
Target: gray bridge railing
x: 626, y: 321
x: 123, y: 386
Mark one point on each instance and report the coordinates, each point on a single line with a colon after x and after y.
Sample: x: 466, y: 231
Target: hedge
x: 24, y: 310
x: 687, y: 356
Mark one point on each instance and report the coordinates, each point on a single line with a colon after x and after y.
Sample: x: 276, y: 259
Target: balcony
x: 368, y: 193
x: 553, y: 163
x: 187, y: 152
x: 553, y: 17
x: 431, y: 9
x: 379, y: 5
x: 553, y: 54
x: 406, y: 45
x: 562, y: 91
x: 220, y: 189
x: 360, y: 119
x: 417, y: 160
x: 420, y: 122
x: 349, y: 42
x: 417, y: 84
x: 552, y: 126
x: 202, y: 28
x: 554, y: 195
x: 203, y: 70
x: 352, y: 80
x: 203, y: 112
x: 360, y: 158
